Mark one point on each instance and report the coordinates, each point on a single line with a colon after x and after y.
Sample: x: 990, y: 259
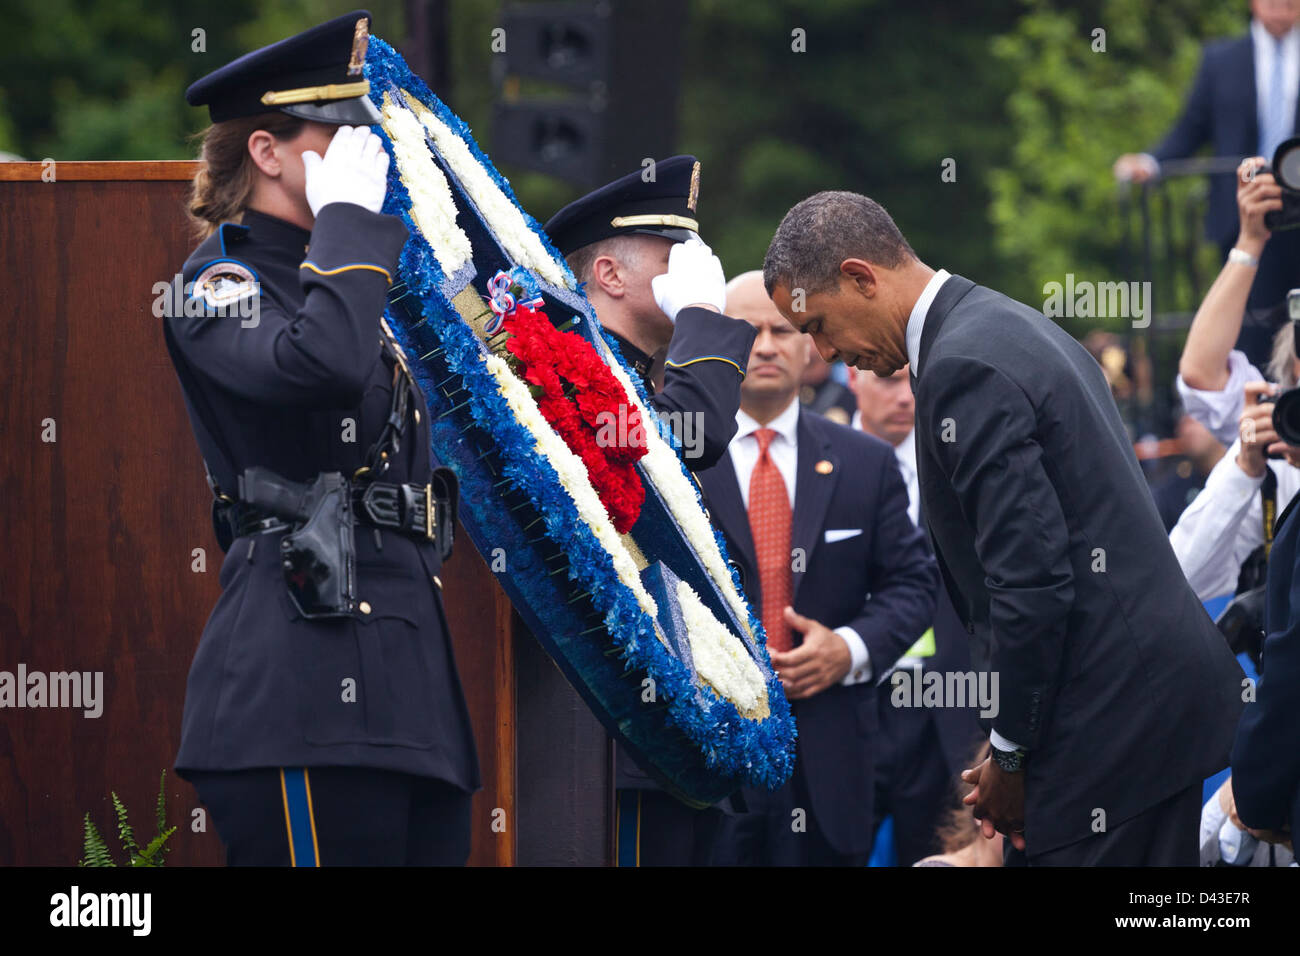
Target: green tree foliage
x: 106, y: 80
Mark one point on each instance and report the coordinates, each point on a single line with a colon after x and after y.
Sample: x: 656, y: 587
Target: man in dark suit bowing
x: 816, y: 515
x: 1117, y: 694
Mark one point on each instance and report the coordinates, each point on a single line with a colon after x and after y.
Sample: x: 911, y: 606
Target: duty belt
x: 425, y: 512
x: 410, y: 509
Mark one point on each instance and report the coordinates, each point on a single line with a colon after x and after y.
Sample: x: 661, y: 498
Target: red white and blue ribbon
x: 502, y: 301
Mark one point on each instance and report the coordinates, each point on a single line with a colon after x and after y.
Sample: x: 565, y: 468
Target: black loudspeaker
x: 619, y: 67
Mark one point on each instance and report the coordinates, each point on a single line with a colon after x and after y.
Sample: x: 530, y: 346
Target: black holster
x: 318, y: 557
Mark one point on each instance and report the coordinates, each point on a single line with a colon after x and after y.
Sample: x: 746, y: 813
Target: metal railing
x: 1161, y: 242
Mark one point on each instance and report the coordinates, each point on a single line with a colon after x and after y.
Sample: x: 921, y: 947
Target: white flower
x: 432, y: 208
x: 501, y: 215
x: 721, y: 660
x: 573, y: 477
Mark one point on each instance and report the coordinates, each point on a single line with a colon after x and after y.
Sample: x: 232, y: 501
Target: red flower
x: 551, y: 360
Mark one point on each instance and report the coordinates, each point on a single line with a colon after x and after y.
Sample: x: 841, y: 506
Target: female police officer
x: 324, y: 721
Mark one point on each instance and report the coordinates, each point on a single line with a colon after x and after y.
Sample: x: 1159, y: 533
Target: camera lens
x: 1286, y: 163
x: 1286, y: 416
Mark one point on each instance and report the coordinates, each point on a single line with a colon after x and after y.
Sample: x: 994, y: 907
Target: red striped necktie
x: 769, y: 522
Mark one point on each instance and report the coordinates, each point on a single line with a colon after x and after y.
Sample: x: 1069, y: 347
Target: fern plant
x: 96, y: 849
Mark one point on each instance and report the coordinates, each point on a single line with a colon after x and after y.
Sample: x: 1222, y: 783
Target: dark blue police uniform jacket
x: 305, y: 386
x: 1265, y: 755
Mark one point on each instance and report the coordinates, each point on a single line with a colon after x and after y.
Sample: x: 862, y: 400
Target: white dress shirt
x: 784, y: 452
x: 1220, y: 410
x: 1225, y: 523
x: 916, y: 321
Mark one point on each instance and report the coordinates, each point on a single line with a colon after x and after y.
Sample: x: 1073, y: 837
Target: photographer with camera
x: 1225, y: 528
x: 1212, y: 374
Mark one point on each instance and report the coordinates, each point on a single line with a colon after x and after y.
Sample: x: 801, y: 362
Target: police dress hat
x: 317, y: 75
x: 665, y: 206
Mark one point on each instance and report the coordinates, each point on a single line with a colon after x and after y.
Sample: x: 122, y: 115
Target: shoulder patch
x: 222, y: 283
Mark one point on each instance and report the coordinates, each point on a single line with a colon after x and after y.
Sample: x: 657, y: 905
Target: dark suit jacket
x: 880, y: 582
x: 1110, y: 671
x: 1221, y: 111
x: 1265, y: 757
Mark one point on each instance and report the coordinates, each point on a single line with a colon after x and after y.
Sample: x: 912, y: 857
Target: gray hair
x: 1281, y: 364
x: 822, y: 231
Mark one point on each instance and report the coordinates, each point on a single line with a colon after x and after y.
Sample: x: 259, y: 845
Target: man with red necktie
x: 816, y: 515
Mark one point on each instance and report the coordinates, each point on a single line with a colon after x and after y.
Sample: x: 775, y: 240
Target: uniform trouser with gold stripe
x: 335, y: 816
x: 654, y: 829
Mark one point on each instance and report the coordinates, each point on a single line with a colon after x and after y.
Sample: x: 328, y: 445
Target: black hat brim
x: 663, y: 232
x: 356, y: 111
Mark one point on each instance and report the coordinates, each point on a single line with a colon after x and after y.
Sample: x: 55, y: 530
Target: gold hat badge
x: 695, y: 187
x: 360, y: 43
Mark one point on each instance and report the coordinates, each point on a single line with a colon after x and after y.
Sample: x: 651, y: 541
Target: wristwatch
x: 1242, y: 257
x: 1011, y: 761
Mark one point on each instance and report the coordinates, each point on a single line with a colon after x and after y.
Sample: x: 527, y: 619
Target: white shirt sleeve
x: 860, y: 664
x: 1220, y: 528
x: 1220, y: 411
x: 997, y: 740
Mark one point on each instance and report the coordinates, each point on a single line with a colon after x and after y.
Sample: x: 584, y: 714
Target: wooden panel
x: 99, y: 526
x: 67, y: 172
x: 480, y: 617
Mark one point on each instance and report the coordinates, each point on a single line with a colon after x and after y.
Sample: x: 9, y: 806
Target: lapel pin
x: 823, y: 467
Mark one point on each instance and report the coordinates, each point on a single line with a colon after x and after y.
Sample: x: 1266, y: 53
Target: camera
x: 1286, y: 170
x: 1286, y: 404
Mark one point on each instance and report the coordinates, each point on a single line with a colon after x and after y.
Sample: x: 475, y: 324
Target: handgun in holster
x: 318, y: 557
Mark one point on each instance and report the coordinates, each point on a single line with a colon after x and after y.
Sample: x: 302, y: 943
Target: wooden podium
x: 108, y: 561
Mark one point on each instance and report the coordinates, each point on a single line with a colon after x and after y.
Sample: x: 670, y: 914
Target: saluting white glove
x: 694, y: 277
x: 355, y: 170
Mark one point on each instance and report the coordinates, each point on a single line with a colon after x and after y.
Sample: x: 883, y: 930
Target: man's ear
x: 862, y: 275
x: 607, y: 275
x: 262, y: 147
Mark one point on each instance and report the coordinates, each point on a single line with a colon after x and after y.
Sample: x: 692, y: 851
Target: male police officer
x: 654, y: 284
x: 324, y: 722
